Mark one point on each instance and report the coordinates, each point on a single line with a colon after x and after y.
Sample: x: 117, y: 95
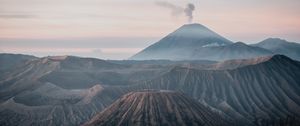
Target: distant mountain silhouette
x: 197, y: 42
x: 280, y: 46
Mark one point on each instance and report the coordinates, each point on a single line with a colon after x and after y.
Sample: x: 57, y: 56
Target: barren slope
x: 157, y: 108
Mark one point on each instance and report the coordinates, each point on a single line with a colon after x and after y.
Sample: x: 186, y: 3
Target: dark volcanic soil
x: 157, y: 108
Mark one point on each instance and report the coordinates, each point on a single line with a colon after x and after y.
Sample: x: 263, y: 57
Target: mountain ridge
x: 267, y: 90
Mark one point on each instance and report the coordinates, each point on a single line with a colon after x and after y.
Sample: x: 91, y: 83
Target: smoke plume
x: 175, y: 10
x: 189, y: 12
x: 178, y: 10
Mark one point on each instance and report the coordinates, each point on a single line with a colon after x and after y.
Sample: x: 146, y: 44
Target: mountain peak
x: 193, y: 25
x: 272, y: 42
x: 281, y: 46
x: 198, y: 32
x: 157, y: 108
x: 182, y: 43
x: 280, y: 57
x: 239, y: 44
x: 275, y: 40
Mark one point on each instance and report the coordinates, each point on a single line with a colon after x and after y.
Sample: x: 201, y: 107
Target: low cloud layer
x: 23, y: 16
x: 103, y: 48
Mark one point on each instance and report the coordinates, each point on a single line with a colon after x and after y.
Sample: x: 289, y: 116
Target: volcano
x: 197, y: 42
x: 157, y: 108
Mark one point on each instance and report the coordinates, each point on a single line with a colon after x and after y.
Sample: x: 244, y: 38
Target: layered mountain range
x: 219, y: 81
x: 63, y: 90
x: 37, y: 92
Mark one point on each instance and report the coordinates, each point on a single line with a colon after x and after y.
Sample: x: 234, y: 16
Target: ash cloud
x: 175, y: 10
x: 189, y: 12
x: 178, y: 10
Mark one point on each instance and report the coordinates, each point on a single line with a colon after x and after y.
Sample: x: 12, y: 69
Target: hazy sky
x: 116, y: 29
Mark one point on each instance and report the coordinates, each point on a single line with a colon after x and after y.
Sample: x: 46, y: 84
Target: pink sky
x: 247, y: 21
